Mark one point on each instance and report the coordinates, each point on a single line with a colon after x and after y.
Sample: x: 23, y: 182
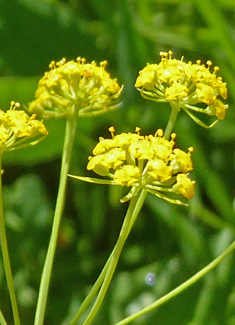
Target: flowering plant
x: 142, y: 163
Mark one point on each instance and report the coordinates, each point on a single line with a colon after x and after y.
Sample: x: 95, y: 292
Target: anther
x: 159, y: 133
x: 111, y: 130
x: 52, y: 65
x: 61, y: 62
x: 173, y: 136
x: 14, y: 105
x: 190, y: 149
x: 164, y: 55
x: 80, y: 60
x: 209, y: 63
x: 103, y: 64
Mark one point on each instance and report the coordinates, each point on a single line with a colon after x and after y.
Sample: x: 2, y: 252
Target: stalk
x: 6, y: 258
x: 106, y: 275
x: 71, y: 124
x: 172, y: 119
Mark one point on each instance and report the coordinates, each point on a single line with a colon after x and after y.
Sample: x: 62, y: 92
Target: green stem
x: 6, y: 258
x: 47, y: 269
x: 131, y: 215
x: 174, y: 113
x: 180, y: 288
x: 91, y: 294
x: 107, y: 272
x: 2, y: 319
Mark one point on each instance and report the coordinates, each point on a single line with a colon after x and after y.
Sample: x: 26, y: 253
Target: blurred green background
x: 169, y: 242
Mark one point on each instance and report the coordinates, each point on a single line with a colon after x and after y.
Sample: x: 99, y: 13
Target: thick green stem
x: 6, y: 258
x: 132, y: 213
x: 46, y: 275
x: 109, y: 268
x: 174, y: 113
x: 180, y: 288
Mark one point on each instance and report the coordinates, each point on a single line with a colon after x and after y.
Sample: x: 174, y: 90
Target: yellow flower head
x: 143, y: 162
x: 75, y: 84
x: 16, y: 128
x: 191, y: 87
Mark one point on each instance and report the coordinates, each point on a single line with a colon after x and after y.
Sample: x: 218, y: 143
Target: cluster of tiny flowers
x: 17, y: 127
x: 75, y: 84
x: 192, y: 86
x: 144, y: 162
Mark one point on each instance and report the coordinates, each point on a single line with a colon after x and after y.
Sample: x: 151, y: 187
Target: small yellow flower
x: 127, y: 175
x: 184, y: 186
x: 181, y: 161
x: 16, y: 128
x: 143, y: 162
x: 159, y: 170
x: 191, y: 87
x: 75, y: 84
x: 175, y: 92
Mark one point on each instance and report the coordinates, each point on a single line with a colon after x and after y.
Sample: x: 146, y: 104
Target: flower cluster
x: 16, y: 128
x: 192, y: 87
x: 143, y: 162
x: 75, y: 84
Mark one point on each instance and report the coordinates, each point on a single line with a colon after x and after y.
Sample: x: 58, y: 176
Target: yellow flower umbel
x: 191, y: 87
x: 143, y: 162
x: 75, y: 84
x: 17, y: 129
